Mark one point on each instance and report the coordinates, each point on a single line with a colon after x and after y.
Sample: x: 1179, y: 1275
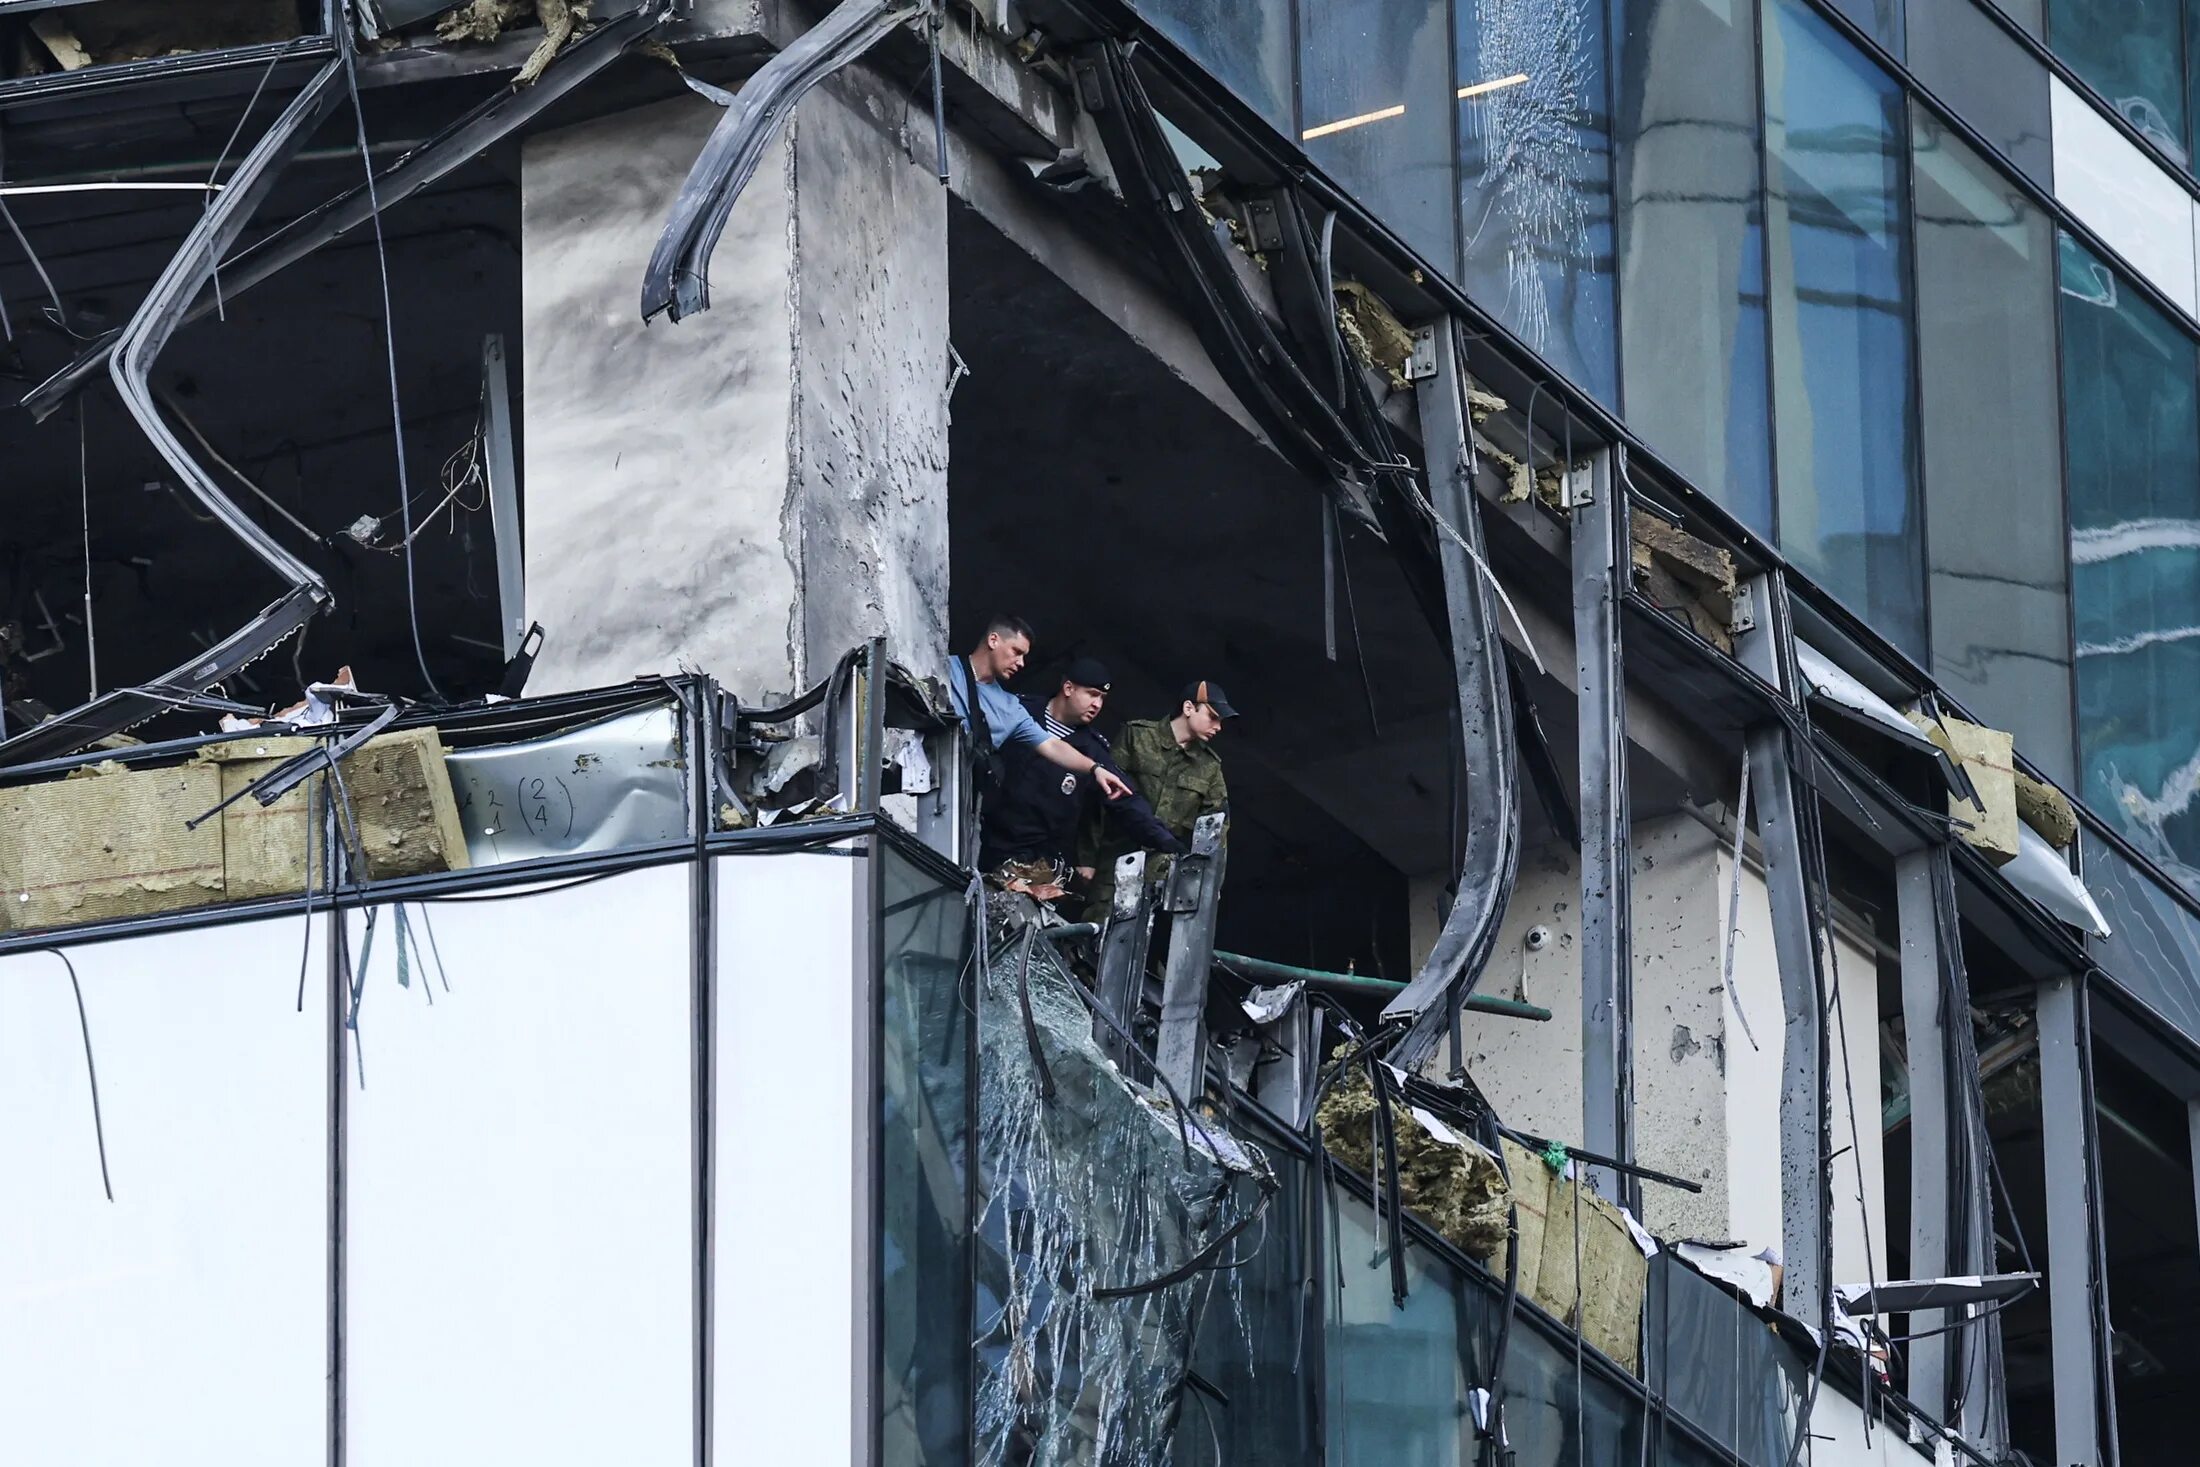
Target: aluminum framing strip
x: 699, y: 743
x: 1768, y: 649
x: 1193, y: 888
x: 501, y: 470
x: 1924, y: 1025
x: 677, y: 278
x: 2077, y: 1285
x: 1602, y: 567
x: 502, y: 114
x: 1124, y: 943
x: 1483, y: 716
x: 139, y: 343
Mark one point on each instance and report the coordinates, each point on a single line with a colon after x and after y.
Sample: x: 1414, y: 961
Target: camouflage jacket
x: 1181, y: 783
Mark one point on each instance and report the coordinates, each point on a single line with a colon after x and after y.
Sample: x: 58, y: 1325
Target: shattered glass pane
x: 1099, y: 1185
x: 1692, y: 246
x: 1374, y: 92
x: 1837, y: 233
x: 2131, y: 412
x: 1535, y: 183
x: 924, y: 1379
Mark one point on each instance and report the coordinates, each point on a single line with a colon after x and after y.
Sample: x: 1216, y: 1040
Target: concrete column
x: 756, y: 489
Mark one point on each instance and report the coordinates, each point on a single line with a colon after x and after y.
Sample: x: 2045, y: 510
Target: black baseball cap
x: 1086, y: 672
x: 1210, y: 694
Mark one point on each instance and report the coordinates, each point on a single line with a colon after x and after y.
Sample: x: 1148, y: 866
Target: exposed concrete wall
x: 657, y: 458
x: 1707, y: 1104
x: 755, y: 489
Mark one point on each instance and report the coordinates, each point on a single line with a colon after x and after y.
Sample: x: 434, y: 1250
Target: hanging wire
x: 91, y: 1071
x: 84, y: 483
x: 389, y: 332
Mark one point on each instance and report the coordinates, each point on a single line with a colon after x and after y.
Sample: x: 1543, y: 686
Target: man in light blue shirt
x: 1001, y: 720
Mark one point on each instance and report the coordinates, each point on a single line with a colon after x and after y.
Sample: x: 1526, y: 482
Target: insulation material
x: 1373, y: 332
x: 1988, y: 756
x: 1454, y: 1185
x: 139, y: 30
x: 1614, y: 1272
x: 265, y: 849
x: 1684, y: 576
x: 1096, y: 1186
x: 2047, y: 810
x: 108, y: 846
x: 401, y: 799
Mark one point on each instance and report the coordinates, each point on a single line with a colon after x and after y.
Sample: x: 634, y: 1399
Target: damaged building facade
x: 1694, y: 499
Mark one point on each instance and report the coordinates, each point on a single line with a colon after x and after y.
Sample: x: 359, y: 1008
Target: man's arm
x: 1058, y: 751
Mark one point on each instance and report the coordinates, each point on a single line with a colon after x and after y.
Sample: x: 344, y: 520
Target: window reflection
x: 1397, y: 1387
x: 2129, y: 51
x: 1375, y: 109
x: 1993, y: 455
x: 1535, y: 187
x: 1691, y: 241
x: 1244, y: 44
x: 2132, y: 415
x: 1838, y: 240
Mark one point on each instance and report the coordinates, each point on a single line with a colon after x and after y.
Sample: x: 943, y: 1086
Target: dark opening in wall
x: 1111, y: 502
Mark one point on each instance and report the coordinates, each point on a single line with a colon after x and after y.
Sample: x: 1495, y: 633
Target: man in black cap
x: 1030, y: 832
x: 1172, y: 762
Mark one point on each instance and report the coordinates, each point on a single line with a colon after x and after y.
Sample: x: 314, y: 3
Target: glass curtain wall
x: 1535, y: 178
x: 1692, y: 245
x: 1375, y: 109
x: 1244, y: 44
x: 2132, y: 52
x: 1837, y: 235
x: 2132, y: 419
x: 1990, y: 419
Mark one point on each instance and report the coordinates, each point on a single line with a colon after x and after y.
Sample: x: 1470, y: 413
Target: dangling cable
x: 84, y: 484
x: 91, y: 1071
x: 389, y: 333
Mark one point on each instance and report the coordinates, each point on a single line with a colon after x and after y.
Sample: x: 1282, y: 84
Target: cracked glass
x: 1535, y: 179
x: 1990, y: 422
x: 1838, y: 238
x: 2131, y: 414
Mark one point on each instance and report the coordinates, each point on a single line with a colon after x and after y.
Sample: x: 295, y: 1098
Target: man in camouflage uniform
x: 1172, y: 762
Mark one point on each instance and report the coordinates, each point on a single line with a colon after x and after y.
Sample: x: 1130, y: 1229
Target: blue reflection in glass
x: 1244, y: 44
x: 1535, y: 181
x: 2129, y: 51
x: 2131, y: 413
x: 1692, y: 246
x: 2153, y: 951
x: 1837, y: 233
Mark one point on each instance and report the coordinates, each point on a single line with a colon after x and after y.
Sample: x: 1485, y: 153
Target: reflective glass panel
x: 1551, y: 1423
x: 2132, y: 53
x: 1993, y: 452
x: 1535, y: 185
x: 1880, y: 19
x: 924, y: 1158
x: 2154, y: 950
x: 1244, y: 44
x: 1991, y: 81
x: 1691, y: 242
x: 2132, y: 418
x: 1396, y: 1381
x: 185, y: 1321
x: 519, y: 1200
x: 1838, y: 240
x: 1375, y: 109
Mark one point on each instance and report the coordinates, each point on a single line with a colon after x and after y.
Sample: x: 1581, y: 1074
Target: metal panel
x: 1123, y: 947
x: 2066, y: 1102
x: 1768, y: 650
x: 1922, y: 1026
x: 616, y: 782
x: 1607, y: 989
x: 502, y: 473
x: 1195, y: 881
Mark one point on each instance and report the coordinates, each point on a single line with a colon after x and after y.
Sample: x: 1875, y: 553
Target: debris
x: 1684, y: 576
x: 2047, y: 810
x: 485, y: 20
x: 1373, y: 331
x: 1988, y: 757
x: 53, y: 32
x: 138, y: 30
x: 1614, y: 1272
x: 1455, y: 1185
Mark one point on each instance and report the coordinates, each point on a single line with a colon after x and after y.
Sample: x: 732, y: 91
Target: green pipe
x: 1374, y: 987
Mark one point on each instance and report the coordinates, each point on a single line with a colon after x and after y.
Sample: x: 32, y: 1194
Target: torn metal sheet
x: 678, y: 277
x: 456, y: 146
x: 140, y: 342
x: 604, y: 786
x: 2046, y: 878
